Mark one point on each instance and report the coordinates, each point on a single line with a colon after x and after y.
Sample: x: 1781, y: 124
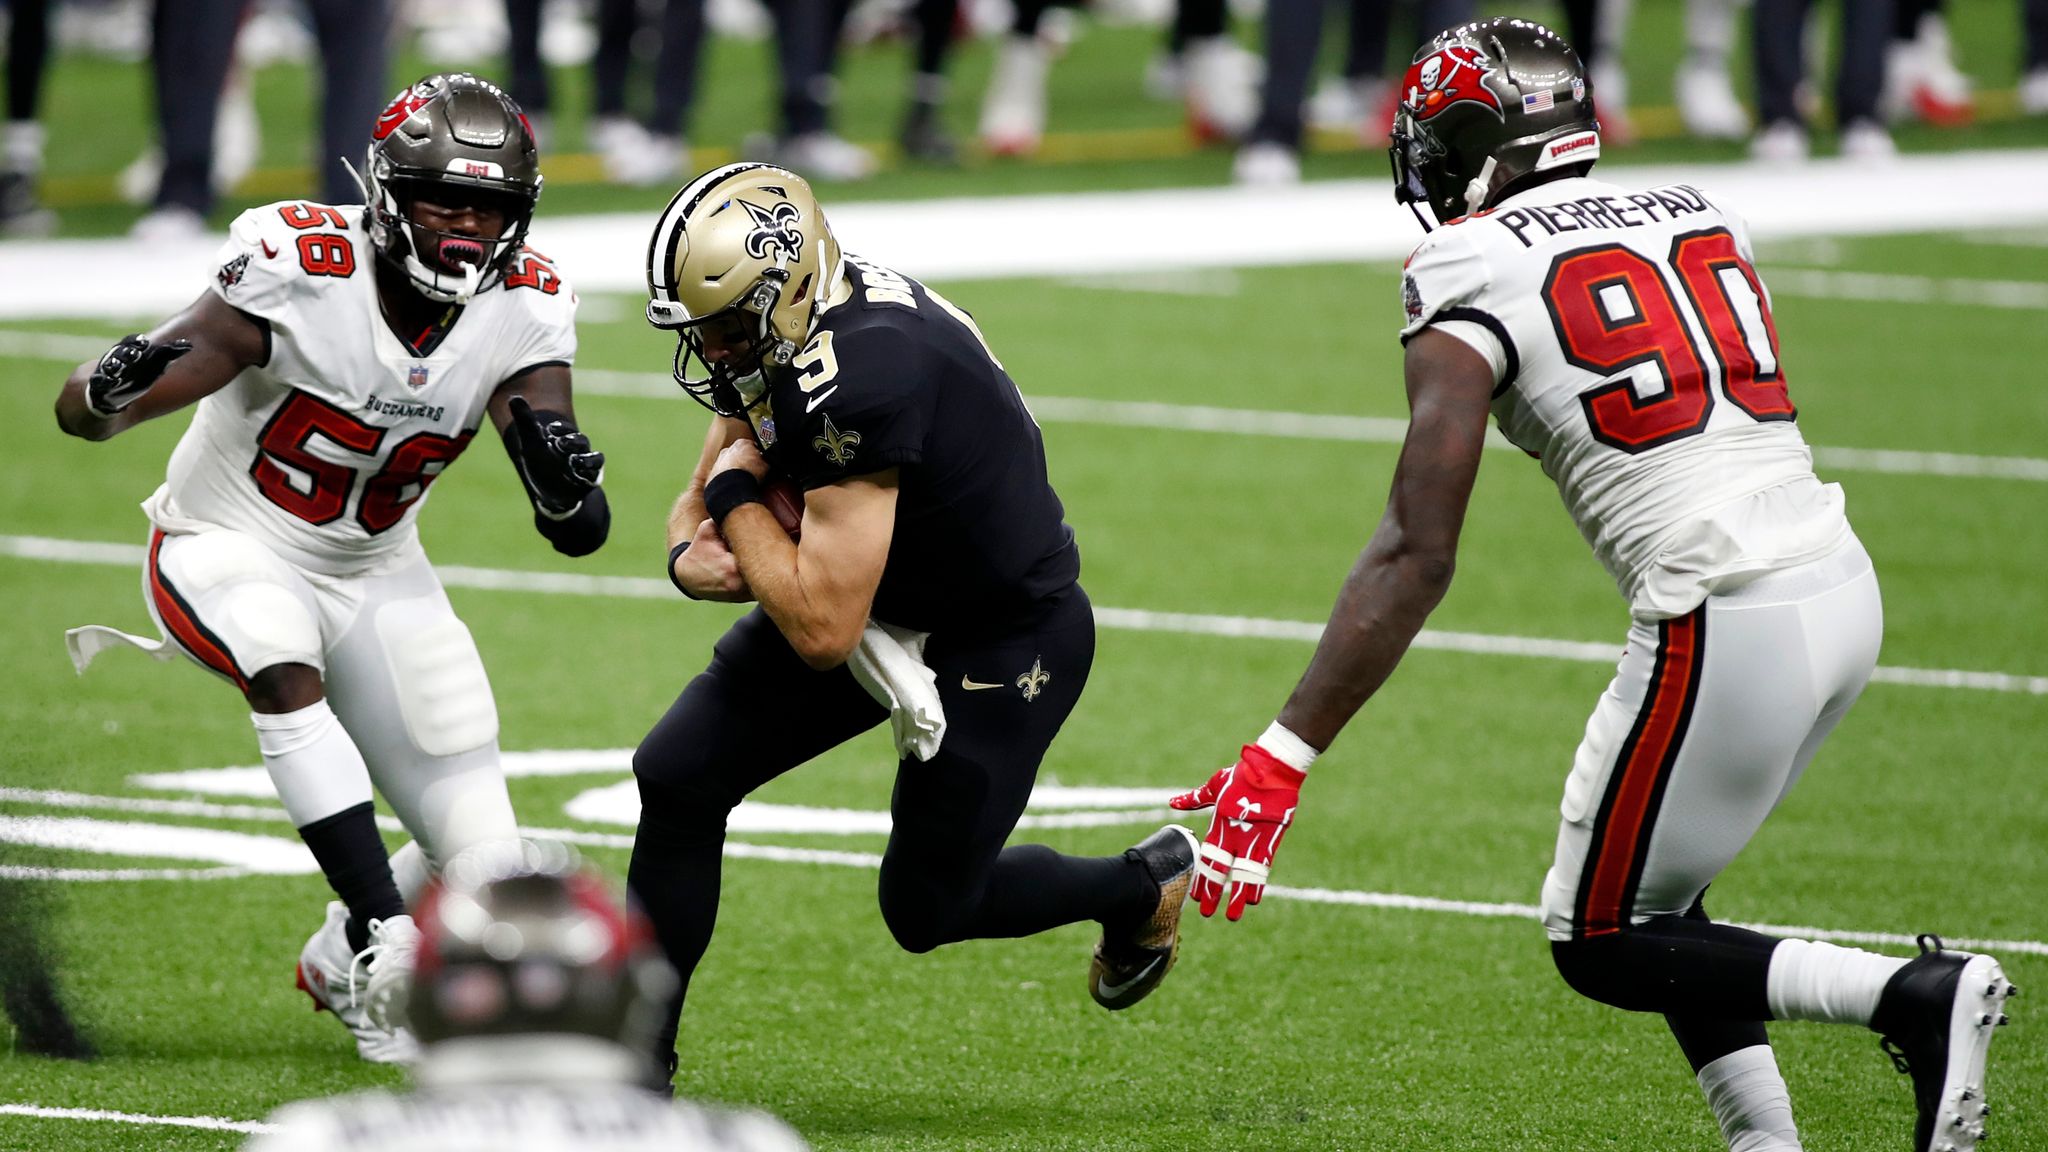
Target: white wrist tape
x: 1288, y: 748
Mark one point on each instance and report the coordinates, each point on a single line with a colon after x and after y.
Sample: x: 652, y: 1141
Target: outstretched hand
x: 1254, y: 800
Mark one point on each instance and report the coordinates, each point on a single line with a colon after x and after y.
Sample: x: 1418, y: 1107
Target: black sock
x: 351, y: 853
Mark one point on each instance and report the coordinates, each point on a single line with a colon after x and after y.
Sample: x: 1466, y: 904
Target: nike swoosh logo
x: 971, y: 686
x: 811, y: 405
x: 1110, y: 991
x: 268, y: 251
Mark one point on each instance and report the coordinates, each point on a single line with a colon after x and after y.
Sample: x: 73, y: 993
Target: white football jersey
x: 1636, y: 358
x: 521, y: 1118
x: 326, y: 451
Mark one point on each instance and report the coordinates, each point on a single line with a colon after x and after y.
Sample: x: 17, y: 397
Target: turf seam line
x: 1122, y: 619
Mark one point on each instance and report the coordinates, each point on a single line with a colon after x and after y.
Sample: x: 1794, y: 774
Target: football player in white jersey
x: 339, y: 359
x: 1624, y: 339
x: 534, y: 1003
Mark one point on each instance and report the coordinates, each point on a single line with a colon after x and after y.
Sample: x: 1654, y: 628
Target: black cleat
x: 924, y: 137
x: 1936, y: 1016
x: 1130, y: 963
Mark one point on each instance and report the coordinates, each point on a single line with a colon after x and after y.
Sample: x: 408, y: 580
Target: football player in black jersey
x: 927, y: 509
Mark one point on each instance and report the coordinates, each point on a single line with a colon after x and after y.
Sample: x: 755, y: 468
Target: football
x: 786, y: 501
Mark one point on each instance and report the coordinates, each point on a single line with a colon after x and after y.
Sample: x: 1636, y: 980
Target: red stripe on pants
x: 184, y: 628
x: 1625, y: 824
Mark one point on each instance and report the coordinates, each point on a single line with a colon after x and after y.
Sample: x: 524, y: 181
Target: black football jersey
x: 896, y: 376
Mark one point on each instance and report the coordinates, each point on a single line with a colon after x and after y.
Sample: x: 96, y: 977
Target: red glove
x: 1255, y: 801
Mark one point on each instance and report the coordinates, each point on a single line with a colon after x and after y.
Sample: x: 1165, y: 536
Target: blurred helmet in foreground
x: 520, y: 939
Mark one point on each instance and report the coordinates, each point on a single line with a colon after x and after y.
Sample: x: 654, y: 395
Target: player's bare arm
x: 1406, y: 567
x: 705, y: 569
x: 1398, y: 580
x: 818, y: 591
x: 151, y: 374
x: 536, y: 417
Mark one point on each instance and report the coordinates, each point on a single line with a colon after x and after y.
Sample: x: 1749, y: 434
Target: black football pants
x: 759, y: 711
x: 1779, y: 36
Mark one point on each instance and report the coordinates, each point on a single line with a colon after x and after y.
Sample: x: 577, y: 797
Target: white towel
x: 889, y: 663
x: 93, y: 639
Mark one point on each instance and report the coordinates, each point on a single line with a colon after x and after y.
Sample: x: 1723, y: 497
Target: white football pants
x: 1708, y: 723
x: 401, y: 670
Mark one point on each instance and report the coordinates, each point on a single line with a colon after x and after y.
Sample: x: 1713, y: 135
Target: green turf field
x: 1306, y: 1026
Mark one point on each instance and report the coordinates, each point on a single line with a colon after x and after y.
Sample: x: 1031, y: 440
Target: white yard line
x: 1829, y: 284
x: 211, y: 1123
x: 1353, y: 429
x: 1122, y: 619
x: 1204, y: 418
x: 844, y: 859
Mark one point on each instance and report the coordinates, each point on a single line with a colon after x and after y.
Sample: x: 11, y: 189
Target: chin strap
x: 1480, y: 188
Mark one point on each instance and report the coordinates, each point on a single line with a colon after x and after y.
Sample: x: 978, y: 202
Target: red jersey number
x: 1614, y: 310
x: 327, y: 486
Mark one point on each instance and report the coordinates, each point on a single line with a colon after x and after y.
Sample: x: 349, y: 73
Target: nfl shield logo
x: 417, y: 377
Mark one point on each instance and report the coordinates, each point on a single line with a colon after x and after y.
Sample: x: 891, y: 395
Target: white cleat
x: 2034, y: 92
x: 1781, y: 143
x: 1265, y: 164
x: 327, y: 973
x: 388, y: 965
x: 1707, y: 105
x: 657, y: 160
x: 813, y: 155
x: 1867, y: 142
x: 1222, y: 88
x: 1013, y: 112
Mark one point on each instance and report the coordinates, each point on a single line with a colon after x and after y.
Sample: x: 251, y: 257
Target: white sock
x: 21, y: 146
x: 313, y: 764
x: 1810, y: 980
x: 1751, y: 1102
x: 1710, y: 30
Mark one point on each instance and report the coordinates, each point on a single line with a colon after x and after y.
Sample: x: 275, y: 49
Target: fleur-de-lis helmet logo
x: 774, y: 229
x: 836, y: 445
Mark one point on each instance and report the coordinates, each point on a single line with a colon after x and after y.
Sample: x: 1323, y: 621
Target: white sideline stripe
x: 1124, y: 619
x: 1354, y: 429
x: 107, y: 875
x: 210, y: 1123
x: 268, y: 855
x: 1206, y: 418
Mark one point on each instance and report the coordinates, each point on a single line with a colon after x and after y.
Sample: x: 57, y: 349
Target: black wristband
x: 675, y: 554
x: 729, y: 490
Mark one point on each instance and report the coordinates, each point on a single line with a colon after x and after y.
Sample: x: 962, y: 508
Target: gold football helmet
x: 738, y: 266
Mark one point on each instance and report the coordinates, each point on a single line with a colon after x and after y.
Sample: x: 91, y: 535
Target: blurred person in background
x: 1598, y: 28
x: 1921, y: 80
x: 1703, y: 88
x: 2034, y: 73
x: 1215, y: 78
x: 1779, y: 37
x: 924, y: 135
x: 21, y: 140
x: 536, y: 1000
x: 1294, y: 30
x: 192, y: 45
x: 645, y: 152
x: 633, y: 151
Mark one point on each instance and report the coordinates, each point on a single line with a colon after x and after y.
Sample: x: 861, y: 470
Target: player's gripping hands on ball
x: 1254, y: 800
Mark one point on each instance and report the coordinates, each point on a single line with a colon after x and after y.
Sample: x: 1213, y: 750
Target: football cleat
x: 387, y: 966
x: 1013, y: 111
x: 1936, y: 1017
x: 1130, y: 963
x: 327, y: 968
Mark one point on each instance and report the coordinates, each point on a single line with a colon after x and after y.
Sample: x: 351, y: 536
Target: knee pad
x: 920, y: 915
x: 268, y: 626
x: 245, y: 594
x: 1596, y: 967
x: 444, y: 697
